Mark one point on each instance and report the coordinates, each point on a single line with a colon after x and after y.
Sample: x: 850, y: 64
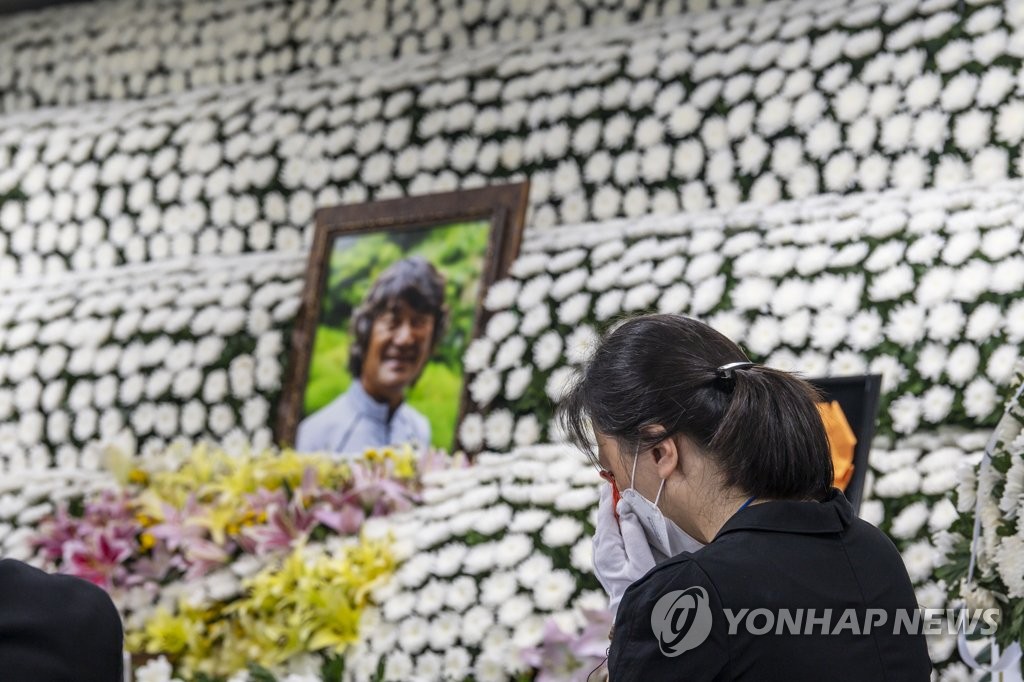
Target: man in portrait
x: 394, y: 332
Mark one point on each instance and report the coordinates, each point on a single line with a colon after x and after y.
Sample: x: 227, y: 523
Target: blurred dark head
x: 654, y: 378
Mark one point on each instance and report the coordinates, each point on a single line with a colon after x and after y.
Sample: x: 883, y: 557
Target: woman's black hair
x: 413, y: 280
x: 760, y: 426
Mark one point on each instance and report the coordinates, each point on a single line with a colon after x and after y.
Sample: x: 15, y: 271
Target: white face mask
x: 663, y: 535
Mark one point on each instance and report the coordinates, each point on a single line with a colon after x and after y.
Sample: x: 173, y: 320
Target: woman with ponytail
x: 728, y: 529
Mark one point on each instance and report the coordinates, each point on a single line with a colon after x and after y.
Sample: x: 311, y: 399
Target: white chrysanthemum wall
x: 690, y: 111
x: 125, y: 49
x: 159, y: 174
x: 924, y: 288
x: 140, y: 356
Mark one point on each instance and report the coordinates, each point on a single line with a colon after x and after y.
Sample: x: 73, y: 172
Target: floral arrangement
x: 254, y: 557
x: 908, y: 491
x: 304, y: 612
x: 499, y: 558
x: 132, y: 315
x: 140, y: 356
x: 686, y: 112
x: 262, y: 41
x: 990, y: 492
x: 923, y: 288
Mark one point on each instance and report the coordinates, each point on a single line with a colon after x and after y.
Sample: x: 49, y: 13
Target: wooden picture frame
x: 501, y: 207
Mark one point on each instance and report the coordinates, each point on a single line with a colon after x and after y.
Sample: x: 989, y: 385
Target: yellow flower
x: 138, y: 477
x: 170, y: 634
x: 119, y: 463
x: 405, y: 463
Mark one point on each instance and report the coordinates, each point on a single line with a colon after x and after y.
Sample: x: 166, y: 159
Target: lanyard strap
x: 747, y: 503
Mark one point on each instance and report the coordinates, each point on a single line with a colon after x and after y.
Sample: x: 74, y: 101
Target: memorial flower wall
x: 923, y: 288
x: 75, y: 54
x: 689, y: 111
x: 139, y: 356
x: 159, y: 174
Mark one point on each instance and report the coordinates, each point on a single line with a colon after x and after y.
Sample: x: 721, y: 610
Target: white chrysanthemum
x: 1001, y: 242
x: 498, y: 429
x: 534, y: 291
x: 1001, y: 363
x: 581, y: 344
x: 559, y: 382
x: 963, y: 364
x: 707, y: 295
x: 995, y: 85
x: 898, y: 483
x: 872, y: 511
x: 609, y: 304
x: 865, y: 330
x: 930, y: 131
x: 552, y: 592
x: 893, y: 373
x: 462, y: 592
x: 514, y: 610
x: 905, y: 412
x: 945, y: 322
x: 471, y: 432
x: 789, y: 295
x: 510, y: 352
x: 951, y: 171
x: 1009, y: 127
x: 847, y: 363
x: 980, y: 399
x: 931, y: 361
x: 536, y: 320
x: 498, y: 588
x: 640, y: 297
x: 156, y: 670
x: 840, y: 171
x: 923, y: 91
x: 959, y: 92
x: 517, y: 381
x: 502, y: 294
x: 1013, y: 489
x: 574, y: 309
x: 909, y: 521
x: 547, y: 350
x: 568, y: 284
x: 892, y: 284
x: 990, y: 165
x: 561, y: 532
x: 896, y: 133
x: 984, y: 322
x: 972, y: 129
x: 527, y: 431
x: 501, y: 325
x: 920, y: 560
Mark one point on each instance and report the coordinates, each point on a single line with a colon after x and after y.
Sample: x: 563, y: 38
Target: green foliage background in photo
x: 458, y: 252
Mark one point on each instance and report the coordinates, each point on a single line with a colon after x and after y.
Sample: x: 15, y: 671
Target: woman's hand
x: 621, y: 553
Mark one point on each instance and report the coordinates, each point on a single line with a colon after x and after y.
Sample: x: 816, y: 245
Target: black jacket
x: 776, y: 556
x: 56, y: 628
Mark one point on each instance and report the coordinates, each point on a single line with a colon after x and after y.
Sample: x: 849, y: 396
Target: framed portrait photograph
x: 394, y: 294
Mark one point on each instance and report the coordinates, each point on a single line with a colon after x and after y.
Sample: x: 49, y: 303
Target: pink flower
x: 565, y: 656
x: 345, y: 521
